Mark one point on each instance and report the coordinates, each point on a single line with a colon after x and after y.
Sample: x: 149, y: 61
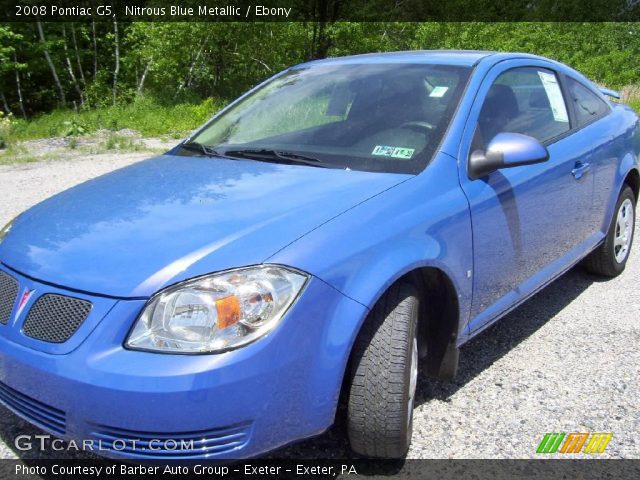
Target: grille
x: 36, y: 412
x: 200, y: 444
x: 54, y: 318
x: 8, y: 295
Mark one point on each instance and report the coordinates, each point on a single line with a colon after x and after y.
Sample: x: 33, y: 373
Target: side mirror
x: 504, y: 151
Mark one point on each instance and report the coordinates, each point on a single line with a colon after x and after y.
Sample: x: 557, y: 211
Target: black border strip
x: 584, y: 469
x: 321, y: 10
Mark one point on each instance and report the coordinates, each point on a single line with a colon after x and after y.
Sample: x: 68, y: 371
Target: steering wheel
x: 418, y: 126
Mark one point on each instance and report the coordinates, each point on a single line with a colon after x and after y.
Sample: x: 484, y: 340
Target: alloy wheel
x: 624, y: 231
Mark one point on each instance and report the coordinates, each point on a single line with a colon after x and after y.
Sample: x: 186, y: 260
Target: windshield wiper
x: 264, y: 154
x: 200, y: 148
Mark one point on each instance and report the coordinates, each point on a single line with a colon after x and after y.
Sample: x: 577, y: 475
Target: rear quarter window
x: 587, y: 105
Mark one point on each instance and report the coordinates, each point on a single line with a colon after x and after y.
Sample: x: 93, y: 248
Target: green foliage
x: 145, y: 115
x: 169, y: 72
x: 5, y: 129
x: 8, y: 42
x: 73, y: 129
x: 120, y: 142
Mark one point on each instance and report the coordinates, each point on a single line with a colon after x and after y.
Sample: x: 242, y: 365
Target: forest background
x: 166, y: 78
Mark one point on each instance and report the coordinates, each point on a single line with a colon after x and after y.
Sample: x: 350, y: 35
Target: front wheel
x: 610, y: 258
x: 383, y: 374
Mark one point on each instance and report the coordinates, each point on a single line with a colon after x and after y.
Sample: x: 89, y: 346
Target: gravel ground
x: 565, y: 361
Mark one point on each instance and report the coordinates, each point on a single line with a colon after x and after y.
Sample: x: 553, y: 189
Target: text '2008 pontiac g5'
x: 326, y: 234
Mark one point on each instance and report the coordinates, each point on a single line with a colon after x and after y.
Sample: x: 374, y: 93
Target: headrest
x: 500, y: 101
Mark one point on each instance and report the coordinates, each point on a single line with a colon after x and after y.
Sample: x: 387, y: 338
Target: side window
x: 523, y: 100
x: 588, y: 106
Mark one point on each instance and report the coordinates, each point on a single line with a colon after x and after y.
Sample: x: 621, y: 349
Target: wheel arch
x: 632, y: 179
x: 627, y: 174
x: 439, y: 323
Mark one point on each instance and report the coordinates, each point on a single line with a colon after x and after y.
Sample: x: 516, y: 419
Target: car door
x: 597, y: 141
x: 528, y: 220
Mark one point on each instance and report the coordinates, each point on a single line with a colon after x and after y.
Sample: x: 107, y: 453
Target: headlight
x: 217, y: 312
x: 5, y: 230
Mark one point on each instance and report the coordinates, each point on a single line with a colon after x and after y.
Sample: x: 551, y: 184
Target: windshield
x: 372, y: 117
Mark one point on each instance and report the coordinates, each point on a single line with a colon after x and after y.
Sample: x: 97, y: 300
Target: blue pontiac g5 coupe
x: 326, y: 234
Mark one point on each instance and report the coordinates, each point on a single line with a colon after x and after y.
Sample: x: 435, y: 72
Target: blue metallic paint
x: 118, y: 239
x: 623, y: 156
x: 285, y: 385
x: 175, y: 218
x: 516, y: 249
x: 423, y: 222
x: 517, y: 148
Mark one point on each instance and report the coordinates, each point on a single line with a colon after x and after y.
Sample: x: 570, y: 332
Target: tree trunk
x: 54, y: 73
x: 4, y: 103
x: 187, y: 80
x: 95, y: 49
x: 72, y: 75
x: 116, y: 69
x: 321, y: 41
x: 18, y: 86
x: 322, y: 14
x: 143, y: 77
x: 219, y: 65
x: 75, y: 48
x: 257, y: 60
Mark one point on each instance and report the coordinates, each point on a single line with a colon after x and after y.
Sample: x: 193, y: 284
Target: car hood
x: 133, y: 231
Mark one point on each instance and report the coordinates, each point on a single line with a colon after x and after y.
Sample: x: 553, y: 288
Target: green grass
x: 144, y: 115
x: 117, y: 142
x: 19, y: 154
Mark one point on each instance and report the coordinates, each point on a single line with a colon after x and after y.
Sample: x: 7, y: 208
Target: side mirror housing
x: 504, y: 151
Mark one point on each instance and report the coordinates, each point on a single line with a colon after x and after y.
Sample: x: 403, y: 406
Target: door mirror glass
x: 504, y: 151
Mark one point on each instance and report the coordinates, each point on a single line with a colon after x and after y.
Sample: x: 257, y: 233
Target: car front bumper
x: 141, y: 405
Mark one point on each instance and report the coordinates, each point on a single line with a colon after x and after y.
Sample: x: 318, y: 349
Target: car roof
x: 466, y: 58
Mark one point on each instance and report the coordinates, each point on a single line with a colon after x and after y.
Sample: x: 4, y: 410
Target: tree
x: 116, y: 69
x: 103, y: 63
x: 54, y: 72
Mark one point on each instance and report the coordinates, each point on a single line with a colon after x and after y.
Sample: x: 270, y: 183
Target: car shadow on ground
x: 477, y: 355
x: 489, y: 346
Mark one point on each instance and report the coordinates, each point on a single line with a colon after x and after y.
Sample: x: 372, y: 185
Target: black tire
x: 602, y: 261
x: 379, y: 419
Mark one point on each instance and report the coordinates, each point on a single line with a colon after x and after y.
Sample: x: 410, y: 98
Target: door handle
x: 580, y: 169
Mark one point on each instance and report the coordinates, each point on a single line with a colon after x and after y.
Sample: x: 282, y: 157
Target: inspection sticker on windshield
x: 554, y: 95
x: 395, y: 152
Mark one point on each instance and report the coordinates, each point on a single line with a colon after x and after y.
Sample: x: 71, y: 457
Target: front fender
x: 422, y: 222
